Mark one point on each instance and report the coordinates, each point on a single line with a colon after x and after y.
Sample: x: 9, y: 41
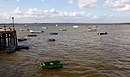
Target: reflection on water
x: 85, y: 54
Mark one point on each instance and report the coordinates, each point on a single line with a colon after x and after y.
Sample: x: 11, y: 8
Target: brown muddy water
x: 84, y: 53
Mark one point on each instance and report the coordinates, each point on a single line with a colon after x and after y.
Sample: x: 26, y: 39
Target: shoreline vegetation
x: 66, y: 23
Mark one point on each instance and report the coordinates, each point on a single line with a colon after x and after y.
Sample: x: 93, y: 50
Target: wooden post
x: 8, y: 40
x: 0, y: 39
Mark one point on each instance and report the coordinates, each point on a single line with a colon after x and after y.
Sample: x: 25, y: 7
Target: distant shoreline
x: 66, y: 23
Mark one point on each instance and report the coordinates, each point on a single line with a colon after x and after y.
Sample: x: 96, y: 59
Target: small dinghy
x: 44, y: 27
x: 62, y: 29
x: 53, y: 33
x: 10, y: 50
x: 75, y: 26
x: 32, y: 35
x: 56, y: 24
x: 22, y: 39
x: 24, y: 29
x: 52, y: 64
x: 92, y: 30
x: 36, y: 31
x: 51, y: 40
x: 103, y: 33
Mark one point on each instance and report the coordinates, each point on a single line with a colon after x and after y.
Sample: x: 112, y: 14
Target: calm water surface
x: 85, y: 54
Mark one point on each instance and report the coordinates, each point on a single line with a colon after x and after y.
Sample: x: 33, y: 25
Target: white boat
x: 44, y: 27
x: 36, y: 31
x: 56, y: 24
x: 63, y: 29
x: 75, y: 26
x: 92, y: 30
x: 24, y: 29
x: 25, y: 25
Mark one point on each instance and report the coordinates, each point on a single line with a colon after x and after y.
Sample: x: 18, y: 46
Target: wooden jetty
x: 8, y: 38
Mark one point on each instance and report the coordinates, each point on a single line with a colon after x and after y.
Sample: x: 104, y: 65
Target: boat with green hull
x: 52, y: 64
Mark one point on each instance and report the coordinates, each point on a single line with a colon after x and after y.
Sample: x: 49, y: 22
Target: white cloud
x: 84, y: 3
x: 70, y: 1
x: 87, y: 3
x: 95, y: 17
x: 125, y: 1
x: 17, y: 0
x: 17, y: 11
x: 119, y: 5
x: 38, y: 14
x: 34, y: 12
x: 42, y: 0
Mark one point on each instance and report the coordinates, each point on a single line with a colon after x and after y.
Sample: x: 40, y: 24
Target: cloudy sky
x: 65, y: 11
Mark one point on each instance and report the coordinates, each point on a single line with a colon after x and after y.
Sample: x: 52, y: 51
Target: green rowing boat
x: 52, y: 64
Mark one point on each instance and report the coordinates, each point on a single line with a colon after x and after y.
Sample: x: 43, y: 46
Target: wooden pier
x: 8, y: 38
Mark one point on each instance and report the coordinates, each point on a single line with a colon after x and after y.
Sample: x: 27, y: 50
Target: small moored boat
x: 52, y: 64
x: 32, y: 35
x: 75, y: 26
x: 92, y: 30
x: 56, y: 24
x: 51, y: 40
x: 36, y: 31
x: 24, y: 29
x: 103, y: 33
x: 53, y: 33
x: 10, y: 49
x: 44, y: 27
x: 22, y: 39
x: 62, y: 29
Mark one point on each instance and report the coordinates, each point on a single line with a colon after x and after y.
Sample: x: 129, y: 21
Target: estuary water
x: 84, y: 53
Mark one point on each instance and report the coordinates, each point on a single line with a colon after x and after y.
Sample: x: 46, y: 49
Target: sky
x: 65, y: 11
